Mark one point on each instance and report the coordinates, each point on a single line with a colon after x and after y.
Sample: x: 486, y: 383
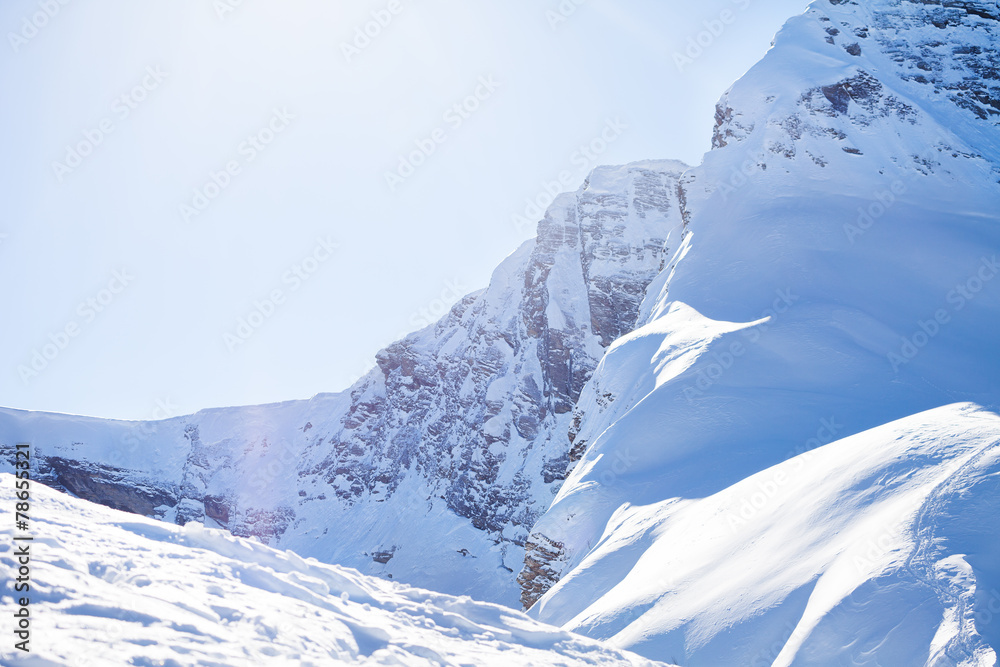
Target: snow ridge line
x: 920, y: 563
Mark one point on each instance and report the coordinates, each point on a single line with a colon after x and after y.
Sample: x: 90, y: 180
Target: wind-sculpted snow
x: 431, y: 468
x: 880, y: 548
x: 588, y: 425
x: 838, y: 272
x: 110, y: 589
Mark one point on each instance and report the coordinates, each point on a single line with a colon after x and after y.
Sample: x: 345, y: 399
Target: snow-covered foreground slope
x: 878, y: 549
x: 111, y: 588
x: 433, y: 467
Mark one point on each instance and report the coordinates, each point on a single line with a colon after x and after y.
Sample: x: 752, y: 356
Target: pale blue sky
x: 329, y: 125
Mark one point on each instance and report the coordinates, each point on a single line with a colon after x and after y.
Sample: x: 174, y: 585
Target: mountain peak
x: 842, y: 76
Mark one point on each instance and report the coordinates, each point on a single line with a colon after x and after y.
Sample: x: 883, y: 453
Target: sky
x: 229, y: 202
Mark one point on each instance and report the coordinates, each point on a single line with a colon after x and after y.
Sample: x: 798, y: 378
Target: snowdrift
x: 880, y: 548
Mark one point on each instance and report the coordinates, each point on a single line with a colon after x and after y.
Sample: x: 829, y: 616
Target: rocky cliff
x: 447, y: 452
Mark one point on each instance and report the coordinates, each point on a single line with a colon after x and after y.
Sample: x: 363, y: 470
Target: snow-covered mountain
x: 432, y: 468
x: 836, y: 274
x: 742, y: 413
x: 111, y: 589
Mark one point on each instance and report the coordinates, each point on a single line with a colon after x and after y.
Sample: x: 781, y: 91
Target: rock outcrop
x: 461, y: 426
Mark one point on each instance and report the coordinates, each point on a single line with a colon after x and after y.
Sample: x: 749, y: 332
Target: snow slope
x: 111, y: 588
x: 827, y: 275
x: 880, y: 548
x: 811, y: 280
x: 837, y: 273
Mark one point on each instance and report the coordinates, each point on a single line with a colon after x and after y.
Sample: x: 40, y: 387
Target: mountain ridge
x: 460, y: 428
x: 672, y: 335
x: 836, y: 269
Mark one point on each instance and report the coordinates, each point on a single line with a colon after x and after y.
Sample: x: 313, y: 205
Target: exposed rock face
x: 478, y: 403
x: 465, y: 419
x: 899, y: 50
x: 542, y: 557
x: 117, y: 488
x: 942, y: 45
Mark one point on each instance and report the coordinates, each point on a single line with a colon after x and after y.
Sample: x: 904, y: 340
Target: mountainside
x: 112, y: 589
x: 836, y: 274
x: 741, y: 413
x: 433, y: 466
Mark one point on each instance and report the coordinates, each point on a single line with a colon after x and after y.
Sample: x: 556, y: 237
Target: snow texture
x: 111, y: 588
x: 876, y: 549
x: 837, y: 273
x: 741, y: 413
